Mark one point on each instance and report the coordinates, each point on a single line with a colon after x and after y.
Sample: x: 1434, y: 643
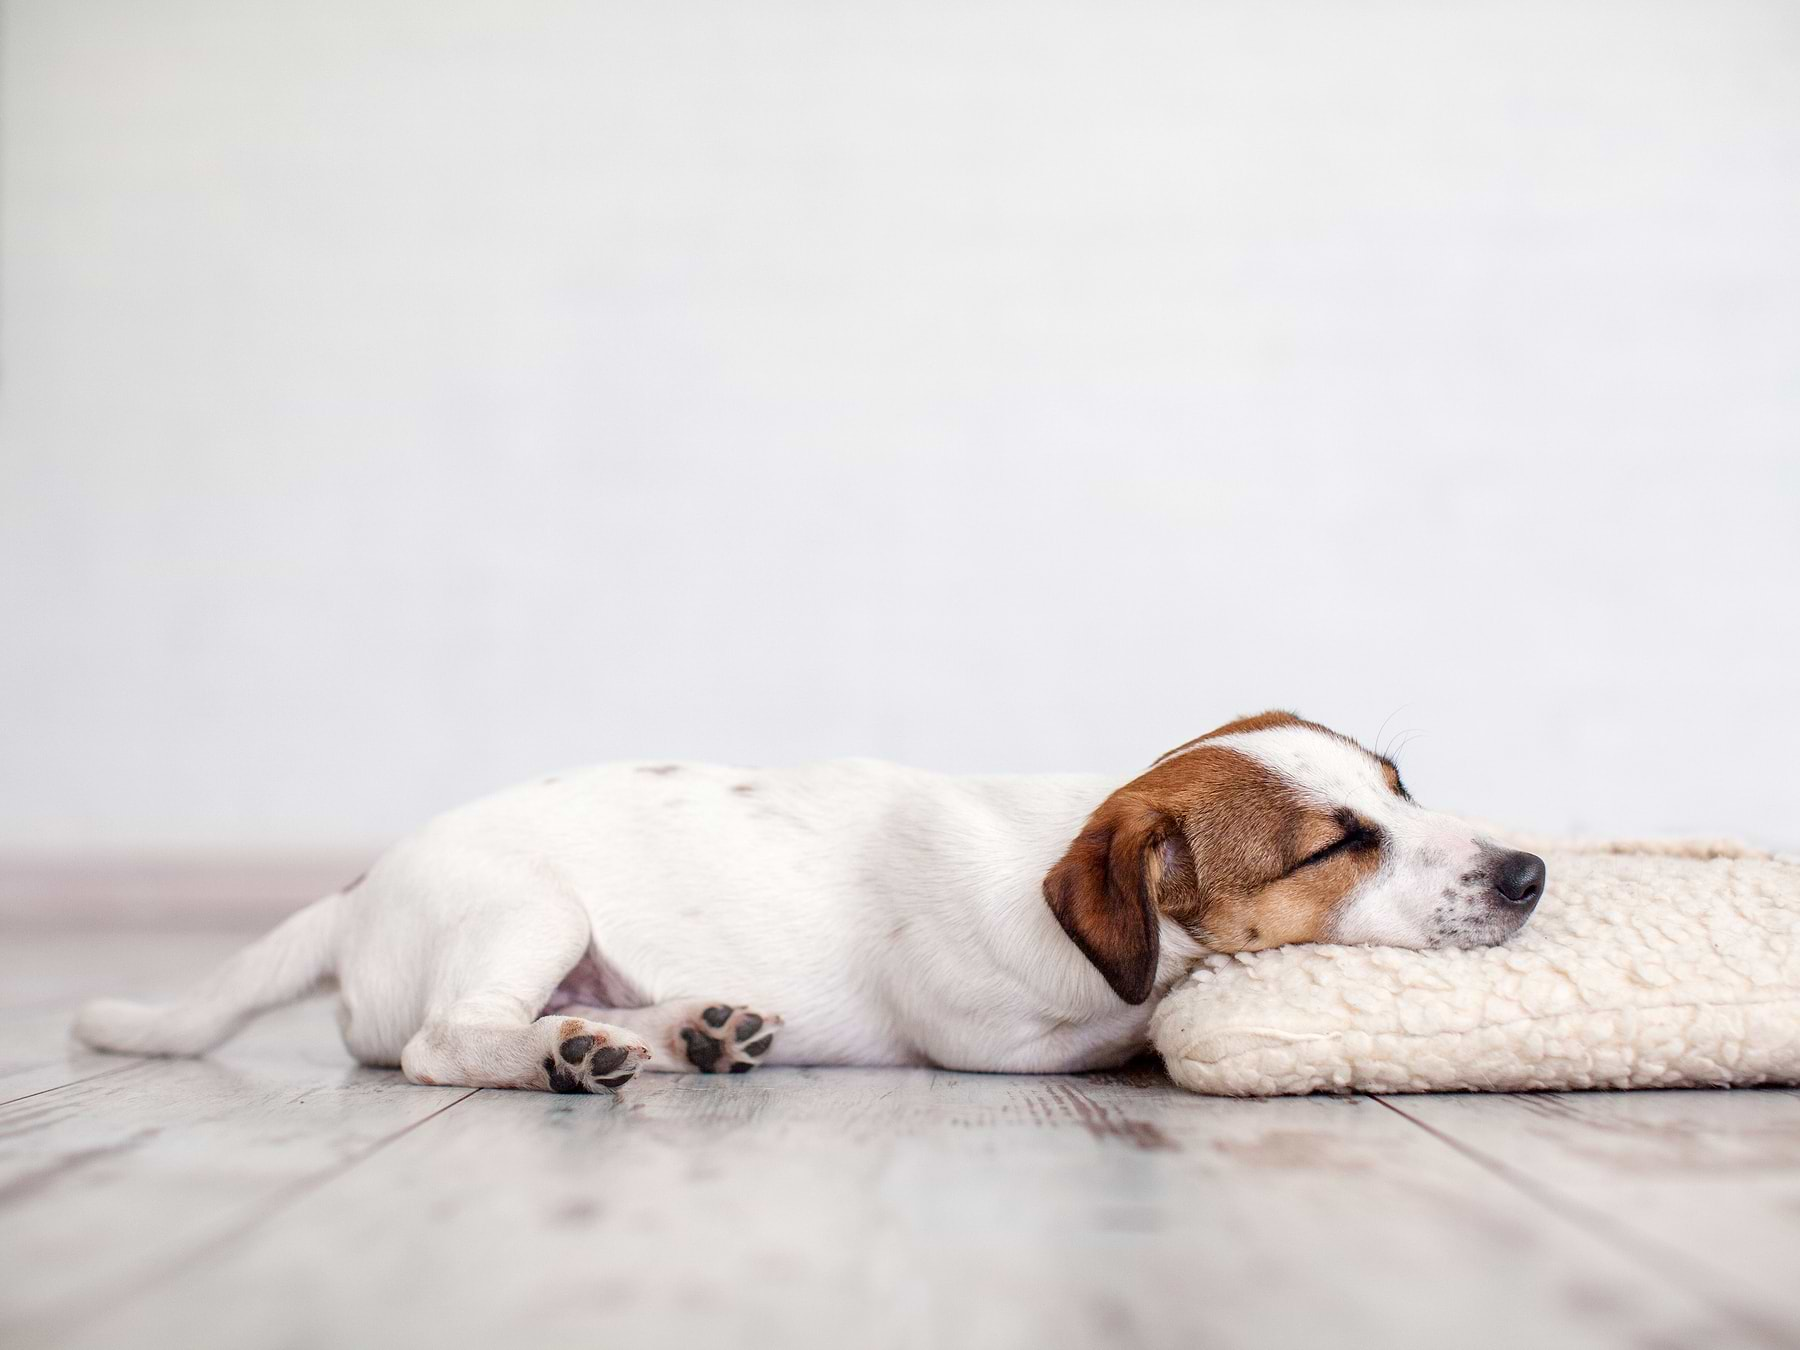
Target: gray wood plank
x: 277, y: 1195
x: 1702, y: 1185
x: 898, y: 1208
x: 37, y: 1055
x: 109, y: 1183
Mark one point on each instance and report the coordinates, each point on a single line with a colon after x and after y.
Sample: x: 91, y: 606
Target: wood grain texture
x: 1704, y: 1185
x: 113, y: 1181
x: 278, y: 1196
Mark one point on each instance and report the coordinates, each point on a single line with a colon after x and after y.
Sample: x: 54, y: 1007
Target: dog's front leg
x: 702, y: 1035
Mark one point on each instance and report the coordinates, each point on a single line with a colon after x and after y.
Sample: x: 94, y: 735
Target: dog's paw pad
x: 702, y: 1050
x: 609, y: 1060
x: 587, y: 1060
x: 727, y: 1039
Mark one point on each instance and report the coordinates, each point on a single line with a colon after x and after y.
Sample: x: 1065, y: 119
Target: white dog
x: 564, y: 934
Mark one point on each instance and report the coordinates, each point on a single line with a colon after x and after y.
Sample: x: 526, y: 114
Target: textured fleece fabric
x: 1671, y: 964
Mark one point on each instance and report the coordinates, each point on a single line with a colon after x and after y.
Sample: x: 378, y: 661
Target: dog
x: 564, y: 934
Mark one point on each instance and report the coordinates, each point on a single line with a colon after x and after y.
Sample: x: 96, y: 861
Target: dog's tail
x: 279, y: 967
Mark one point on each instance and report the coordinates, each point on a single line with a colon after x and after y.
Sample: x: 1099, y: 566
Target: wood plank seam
x: 88, y: 1309
x: 1674, y: 1267
x: 73, y: 1082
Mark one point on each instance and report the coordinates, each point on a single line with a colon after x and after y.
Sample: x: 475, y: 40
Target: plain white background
x: 400, y: 399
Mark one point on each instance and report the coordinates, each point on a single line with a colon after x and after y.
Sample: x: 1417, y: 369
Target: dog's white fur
x: 881, y: 915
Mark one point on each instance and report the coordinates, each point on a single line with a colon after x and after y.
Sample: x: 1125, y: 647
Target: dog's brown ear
x: 1104, y: 891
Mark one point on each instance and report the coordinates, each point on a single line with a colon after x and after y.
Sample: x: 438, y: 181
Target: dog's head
x: 1273, y: 830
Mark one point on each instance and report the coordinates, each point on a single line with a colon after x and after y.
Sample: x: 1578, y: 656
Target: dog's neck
x: 1007, y: 923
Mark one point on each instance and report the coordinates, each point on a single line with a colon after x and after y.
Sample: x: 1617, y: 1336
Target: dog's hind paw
x: 724, y: 1038
x: 589, y: 1056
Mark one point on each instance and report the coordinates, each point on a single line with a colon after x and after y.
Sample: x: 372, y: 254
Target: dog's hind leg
x: 702, y: 1035
x: 482, y: 1028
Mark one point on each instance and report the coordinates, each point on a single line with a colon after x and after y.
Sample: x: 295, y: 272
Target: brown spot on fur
x: 1262, y: 721
x: 1106, y: 890
x: 659, y: 768
x: 571, y: 1026
x: 1209, y: 838
x: 1295, y: 908
x: 743, y: 789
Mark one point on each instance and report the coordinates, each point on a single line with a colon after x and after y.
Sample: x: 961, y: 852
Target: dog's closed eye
x: 1353, y: 834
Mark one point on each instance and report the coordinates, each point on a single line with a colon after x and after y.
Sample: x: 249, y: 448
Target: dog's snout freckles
x: 1447, y: 887
x: 1494, y: 900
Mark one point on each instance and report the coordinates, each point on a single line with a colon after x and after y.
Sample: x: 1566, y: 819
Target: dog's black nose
x: 1520, y: 879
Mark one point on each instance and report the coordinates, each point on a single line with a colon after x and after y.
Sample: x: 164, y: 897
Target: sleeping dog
x: 564, y: 934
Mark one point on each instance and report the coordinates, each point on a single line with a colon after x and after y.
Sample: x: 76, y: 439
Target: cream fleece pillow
x: 1673, y: 964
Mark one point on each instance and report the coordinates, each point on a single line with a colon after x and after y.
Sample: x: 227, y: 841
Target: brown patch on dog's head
x: 1215, y: 841
x: 1275, y: 717
x: 1262, y: 721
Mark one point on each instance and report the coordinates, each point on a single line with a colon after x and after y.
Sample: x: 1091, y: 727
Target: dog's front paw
x: 721, y: 1038
x: 589, y: 1056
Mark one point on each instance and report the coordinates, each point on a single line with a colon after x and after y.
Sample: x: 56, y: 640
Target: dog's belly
x: 593, y: 985
x: 829, y: 995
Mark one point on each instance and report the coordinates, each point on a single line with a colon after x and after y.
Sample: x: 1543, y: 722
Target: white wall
x: 403, y: 398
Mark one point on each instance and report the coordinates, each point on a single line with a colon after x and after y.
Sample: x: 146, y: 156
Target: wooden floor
x: 276, y: 1195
